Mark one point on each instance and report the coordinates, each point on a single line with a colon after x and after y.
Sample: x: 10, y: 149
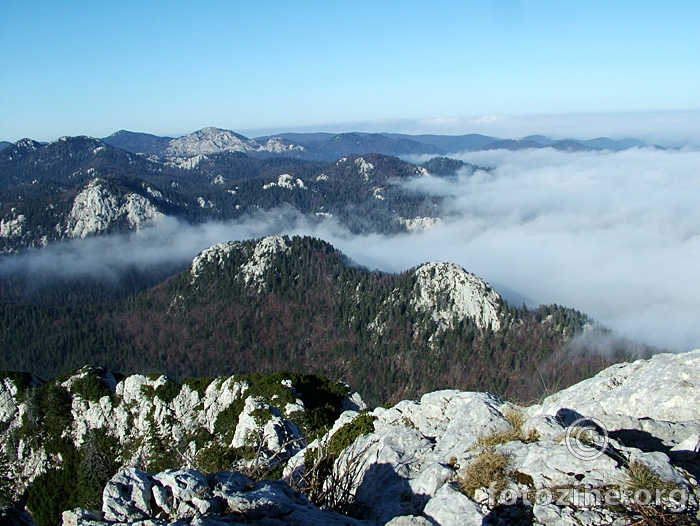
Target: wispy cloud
x: 169, y: 242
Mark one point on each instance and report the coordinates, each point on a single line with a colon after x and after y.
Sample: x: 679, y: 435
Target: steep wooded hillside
x: 299, y: 304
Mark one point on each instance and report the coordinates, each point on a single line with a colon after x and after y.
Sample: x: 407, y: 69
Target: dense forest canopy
x: 311, y: 311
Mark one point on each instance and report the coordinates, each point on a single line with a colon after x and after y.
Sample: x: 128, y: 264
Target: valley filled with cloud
x: 613, y: 234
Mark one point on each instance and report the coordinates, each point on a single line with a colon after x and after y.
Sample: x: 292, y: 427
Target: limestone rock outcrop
x: 600, y: 452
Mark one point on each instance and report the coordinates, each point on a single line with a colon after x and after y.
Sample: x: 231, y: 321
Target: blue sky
x: 500, y: 66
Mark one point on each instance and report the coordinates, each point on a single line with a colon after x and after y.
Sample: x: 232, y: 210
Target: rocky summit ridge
x: 297, y: 303
x: 214, y: 140
x: 97, y: 208
x: 443, y: 290
x: 620, y: 448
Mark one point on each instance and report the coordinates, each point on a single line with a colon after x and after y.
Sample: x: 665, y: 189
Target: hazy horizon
x: 666, y: 129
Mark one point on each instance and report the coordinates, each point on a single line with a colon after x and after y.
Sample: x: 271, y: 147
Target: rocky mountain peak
x: 265, y: 249
x: 255, y: 261
x: 209, y: 141
x: 63, y: 146
x: 281, y: 145
x: 447, y: 290
x: 27, y: 144
x: 98, y: 208
x: 364, y: 168
x: 214, y: 255
x: 20, y: 149
x: 212, y: 140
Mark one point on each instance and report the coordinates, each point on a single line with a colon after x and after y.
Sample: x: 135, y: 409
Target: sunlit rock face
x: 447, y: 290
x: 214, y: 140
x: 97, y: 209
x: 407, y: 464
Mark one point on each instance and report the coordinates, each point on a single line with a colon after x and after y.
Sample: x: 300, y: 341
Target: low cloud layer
x: 169, y: 242
x: 615, y: 235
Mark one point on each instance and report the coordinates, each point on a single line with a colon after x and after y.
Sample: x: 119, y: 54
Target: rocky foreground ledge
x: 620, y: 448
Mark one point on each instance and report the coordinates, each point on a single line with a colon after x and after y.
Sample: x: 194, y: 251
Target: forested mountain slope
x: 298, y: 304
x: 46, y: 190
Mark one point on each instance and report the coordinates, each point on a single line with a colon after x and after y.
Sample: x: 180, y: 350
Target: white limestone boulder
x: 551, y: 464
x: 182, y: 493
x: 127, y: 496
x: 665, y: 387
x: 409, y: 520
x: 266, y: 499
x: 260, y: 421
x: 450, y: 507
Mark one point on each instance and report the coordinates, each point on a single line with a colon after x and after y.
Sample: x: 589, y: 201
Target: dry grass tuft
x: 486, y: 468
x: 640, y: 477
x: 515, y: 416
x: 514, y: 432
x: 502, y: 436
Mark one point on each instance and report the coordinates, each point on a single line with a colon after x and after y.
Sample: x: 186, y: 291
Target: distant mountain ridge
x: 138, y: 142
x: 44, y: 186
x: 216, y: 174
x: 328, y: 146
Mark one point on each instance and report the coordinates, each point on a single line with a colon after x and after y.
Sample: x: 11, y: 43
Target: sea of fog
x: 615, y: 235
